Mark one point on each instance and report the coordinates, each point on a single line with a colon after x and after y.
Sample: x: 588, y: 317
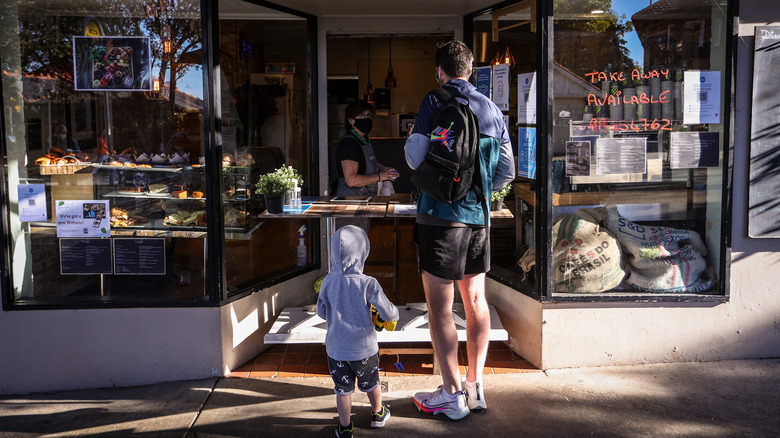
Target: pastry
x: 129, y: 164
x: 115, y: 163
x: 181, y: 194
x: 43, y: 161
x: 158, y: 188
x: 144, y: 165
x: 118, y: 213
x: 197, y: 194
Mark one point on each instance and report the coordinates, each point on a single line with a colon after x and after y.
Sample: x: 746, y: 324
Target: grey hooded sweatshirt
x: 346, y: 295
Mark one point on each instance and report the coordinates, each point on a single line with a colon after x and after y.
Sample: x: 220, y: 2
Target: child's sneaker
x: 344, y: 432
x: 475, y: 396
x: 439, y: 402
x: 378, y: 418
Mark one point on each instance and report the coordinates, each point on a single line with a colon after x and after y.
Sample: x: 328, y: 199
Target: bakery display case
x: 158, y: 196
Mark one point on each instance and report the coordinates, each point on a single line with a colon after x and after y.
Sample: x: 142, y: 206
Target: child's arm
x: 322, y: 307
x: 386, y: 309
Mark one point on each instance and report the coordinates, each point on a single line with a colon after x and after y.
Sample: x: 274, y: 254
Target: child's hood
x: 349, y: 249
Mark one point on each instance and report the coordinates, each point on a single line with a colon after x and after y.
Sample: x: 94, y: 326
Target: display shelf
x: 147, y: 196
x: 155, y: 228
x: 604, y: 197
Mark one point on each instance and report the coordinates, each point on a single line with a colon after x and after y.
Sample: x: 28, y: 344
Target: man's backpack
x: 451, y: 166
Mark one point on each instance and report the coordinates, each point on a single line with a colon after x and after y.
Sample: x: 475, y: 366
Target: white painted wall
x: 46, y: 350
x: 244, y: 322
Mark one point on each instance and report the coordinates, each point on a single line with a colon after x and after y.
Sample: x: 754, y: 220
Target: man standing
x: 452, y: 240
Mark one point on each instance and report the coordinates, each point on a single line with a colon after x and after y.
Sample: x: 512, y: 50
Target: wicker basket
x: 63, y: 169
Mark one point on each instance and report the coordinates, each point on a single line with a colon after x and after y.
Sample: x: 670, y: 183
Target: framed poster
x: 117, y: 63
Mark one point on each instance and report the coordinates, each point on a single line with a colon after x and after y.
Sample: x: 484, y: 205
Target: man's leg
x: 472, y: 291
x: 439, y: 294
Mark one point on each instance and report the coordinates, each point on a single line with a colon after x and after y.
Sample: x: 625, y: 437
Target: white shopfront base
x: 299, y: 325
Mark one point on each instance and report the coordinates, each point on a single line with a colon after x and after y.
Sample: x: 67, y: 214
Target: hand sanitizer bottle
x: 303, y: 253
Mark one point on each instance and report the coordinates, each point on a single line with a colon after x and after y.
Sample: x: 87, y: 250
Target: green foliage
x: 501, y: 194
x: 278, y: 182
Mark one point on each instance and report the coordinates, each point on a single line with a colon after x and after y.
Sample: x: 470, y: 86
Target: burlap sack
x: 661, y: 259
x: 586, y: 257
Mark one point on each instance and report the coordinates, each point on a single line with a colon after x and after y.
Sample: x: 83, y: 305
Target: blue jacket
x: 497, y: 163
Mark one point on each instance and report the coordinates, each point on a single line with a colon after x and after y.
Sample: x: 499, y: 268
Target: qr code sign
x: 702, y: 96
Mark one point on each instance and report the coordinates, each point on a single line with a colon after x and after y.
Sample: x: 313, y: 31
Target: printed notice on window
x: 32, y: 202
x: 501, y: 86
x: 577, y: 158
x: 616, y: 156
x: 85, y: 256
x: 483, y: 80
x: 83, y: 219
x: 701, y: 97
x: 526, y: 152
x: 526, y: 98
x: 694, y: 149
x: 139, y: 256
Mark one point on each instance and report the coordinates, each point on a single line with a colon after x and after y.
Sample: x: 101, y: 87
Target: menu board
x: 694, y: 149
x: 616, y: 156
x: 577, y: 158
x: 764, y: 192
x: 139, y: 256
x: 85, y: 256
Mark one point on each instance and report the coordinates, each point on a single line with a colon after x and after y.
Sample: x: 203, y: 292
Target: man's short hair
x: 455, y: 58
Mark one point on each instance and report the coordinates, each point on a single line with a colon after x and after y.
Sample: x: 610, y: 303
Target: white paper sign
x: 701, y: 97
x: 526, y: 98
x: 83, y: 219
x: 32, y: 202
x: 501, y: 86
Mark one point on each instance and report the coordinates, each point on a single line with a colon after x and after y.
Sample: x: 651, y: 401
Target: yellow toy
x: 379, y: 323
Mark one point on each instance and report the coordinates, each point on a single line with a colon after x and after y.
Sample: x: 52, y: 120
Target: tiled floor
x: 310, y: 360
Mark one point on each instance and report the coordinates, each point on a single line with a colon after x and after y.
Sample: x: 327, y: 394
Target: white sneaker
x: 439, y: 402
x: 475, y: 396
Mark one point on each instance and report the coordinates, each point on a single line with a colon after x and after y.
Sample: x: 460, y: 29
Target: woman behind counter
x: 358, y: 170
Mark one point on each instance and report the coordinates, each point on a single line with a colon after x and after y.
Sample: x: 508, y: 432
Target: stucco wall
x: 68, y: 349
x: 244, y: 322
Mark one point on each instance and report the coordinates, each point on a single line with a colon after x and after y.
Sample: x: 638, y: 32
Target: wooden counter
x: 644, y: 196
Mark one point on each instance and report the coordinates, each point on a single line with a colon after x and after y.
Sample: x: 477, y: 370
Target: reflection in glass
x: 263, y: 74
x: 628, y: 216
x: 86, y: 121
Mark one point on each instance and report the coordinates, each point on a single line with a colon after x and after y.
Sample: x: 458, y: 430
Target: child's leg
x: 375, y: 397
x: 344, y: 405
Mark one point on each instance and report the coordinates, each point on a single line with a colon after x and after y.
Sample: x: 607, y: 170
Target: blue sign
x: 484, y: 80
x: 526, y: 152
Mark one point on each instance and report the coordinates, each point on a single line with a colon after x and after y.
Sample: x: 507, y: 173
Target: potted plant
x: 497, y: 198
x: 292, y: 175
x: 274, y: 186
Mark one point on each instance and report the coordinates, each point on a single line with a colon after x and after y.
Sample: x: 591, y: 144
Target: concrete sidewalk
x: 715, y: 399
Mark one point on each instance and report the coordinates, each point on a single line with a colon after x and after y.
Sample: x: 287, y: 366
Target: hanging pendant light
x: 368, y: 95
x: 390, y: 81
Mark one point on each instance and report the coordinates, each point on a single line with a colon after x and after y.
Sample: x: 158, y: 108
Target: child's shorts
x: 344, y: 372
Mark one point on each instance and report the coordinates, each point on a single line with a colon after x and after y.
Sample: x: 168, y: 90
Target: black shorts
x: 344, y: 373
x: 452, y: 252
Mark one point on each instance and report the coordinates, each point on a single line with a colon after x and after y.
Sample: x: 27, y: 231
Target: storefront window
x: 638, y: 141
x: 265, y: 102
x: 104, y: 150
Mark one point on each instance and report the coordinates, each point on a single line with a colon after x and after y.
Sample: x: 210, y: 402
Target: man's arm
x: 417, y: 145
x: 505, y: 171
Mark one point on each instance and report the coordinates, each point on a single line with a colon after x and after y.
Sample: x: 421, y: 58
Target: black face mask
x: 364, y: 125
